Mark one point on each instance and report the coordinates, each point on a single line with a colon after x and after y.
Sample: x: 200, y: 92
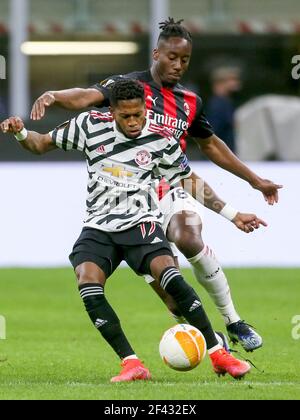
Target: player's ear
x: 155, y: 54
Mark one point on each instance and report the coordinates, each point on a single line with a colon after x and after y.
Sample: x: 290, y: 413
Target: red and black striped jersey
x: 176, y: 108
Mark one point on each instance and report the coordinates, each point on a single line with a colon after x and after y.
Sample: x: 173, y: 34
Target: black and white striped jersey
x: 123, y: 172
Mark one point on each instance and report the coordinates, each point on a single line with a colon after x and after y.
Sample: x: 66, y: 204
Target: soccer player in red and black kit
x: 181, y: 110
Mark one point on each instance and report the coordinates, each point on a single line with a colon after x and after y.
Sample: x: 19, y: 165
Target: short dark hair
x: 126, y: 89
x: 170, y: 28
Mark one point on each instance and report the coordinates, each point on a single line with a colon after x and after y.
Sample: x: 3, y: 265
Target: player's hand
x: 248, y: 222
x: 269, y: 190
x: 39, y: 107
x: 12, y: 125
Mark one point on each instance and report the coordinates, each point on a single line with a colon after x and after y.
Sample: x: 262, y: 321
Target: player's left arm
x: 219, y: 153
x: 30, y: 140
x: 203, y: 193
x: 174, y: 166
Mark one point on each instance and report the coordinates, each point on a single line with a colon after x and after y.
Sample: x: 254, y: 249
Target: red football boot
x: 223, y: 362
x: 132, y: 370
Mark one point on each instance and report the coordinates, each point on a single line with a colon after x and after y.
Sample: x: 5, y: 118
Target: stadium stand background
x: 260, y: 37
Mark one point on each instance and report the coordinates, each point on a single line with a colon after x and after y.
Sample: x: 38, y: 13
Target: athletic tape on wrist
x: 228, y: 212
x: 22, y: 135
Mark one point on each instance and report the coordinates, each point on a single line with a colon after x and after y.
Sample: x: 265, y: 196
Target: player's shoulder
x: 188, y: 91
x: 136, y: 75
x: 142, y: 76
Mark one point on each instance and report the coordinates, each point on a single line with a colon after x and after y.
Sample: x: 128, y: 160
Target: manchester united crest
x: 143, y: 158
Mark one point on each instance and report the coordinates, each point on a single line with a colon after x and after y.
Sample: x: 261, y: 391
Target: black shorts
x: 137, y: 246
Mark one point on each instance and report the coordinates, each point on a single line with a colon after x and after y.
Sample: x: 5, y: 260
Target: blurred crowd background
x: 241, y: 66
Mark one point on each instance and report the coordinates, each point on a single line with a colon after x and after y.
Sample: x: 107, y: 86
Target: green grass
x: 53, y: 352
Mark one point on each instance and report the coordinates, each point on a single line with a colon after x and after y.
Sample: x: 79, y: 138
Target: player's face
x: 171, y: 59
x: 130, y: 117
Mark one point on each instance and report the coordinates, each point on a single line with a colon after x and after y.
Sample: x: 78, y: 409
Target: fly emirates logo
x: 177, y: 126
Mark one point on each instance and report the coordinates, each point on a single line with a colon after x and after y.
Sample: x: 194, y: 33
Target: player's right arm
x: 34, y: 142
x: 218, y: 152
x: 75, y: 98
x: 71, y: 135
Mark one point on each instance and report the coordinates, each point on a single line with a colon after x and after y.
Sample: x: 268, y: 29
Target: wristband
x: 228, y: 212
x: 22, y: 135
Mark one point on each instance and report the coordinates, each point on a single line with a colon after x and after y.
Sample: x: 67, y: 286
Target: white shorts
x: 175, y: 201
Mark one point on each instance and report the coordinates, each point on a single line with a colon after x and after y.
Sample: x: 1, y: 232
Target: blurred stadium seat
x: 261, y: 36
x: 132, y: 16
x: 268, y: 128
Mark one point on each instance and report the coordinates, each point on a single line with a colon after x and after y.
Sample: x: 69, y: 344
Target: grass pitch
x: 53, y: 352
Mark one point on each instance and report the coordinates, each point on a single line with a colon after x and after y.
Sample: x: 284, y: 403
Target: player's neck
x: 157, y: 79
x: 155, y: 76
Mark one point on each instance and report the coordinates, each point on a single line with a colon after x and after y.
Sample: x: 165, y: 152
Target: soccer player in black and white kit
x: 180, y: 110
x: 126, y: 154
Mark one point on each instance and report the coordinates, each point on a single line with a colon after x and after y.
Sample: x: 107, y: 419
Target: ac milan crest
x: 187, y: 109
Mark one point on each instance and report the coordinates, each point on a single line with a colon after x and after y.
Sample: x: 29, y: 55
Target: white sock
x: 132, y: 357
x: 210, y: 275
x: 213, y: 349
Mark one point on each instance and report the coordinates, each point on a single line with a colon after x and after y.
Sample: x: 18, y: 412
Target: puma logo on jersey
x: 152, y: 100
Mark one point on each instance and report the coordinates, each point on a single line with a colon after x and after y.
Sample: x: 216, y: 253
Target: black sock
x: 188, y: 302
x: 105, y: 319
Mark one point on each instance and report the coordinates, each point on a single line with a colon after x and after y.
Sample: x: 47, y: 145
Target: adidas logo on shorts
x: 156, y: 241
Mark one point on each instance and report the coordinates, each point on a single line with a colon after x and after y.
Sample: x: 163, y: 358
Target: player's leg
x: 155, y: 257
x: 183, y: 226
x: 185, y: 229
x: 174, y: 310
x: 94, y: 258
x: 165, y: 297
x: 192, y: 309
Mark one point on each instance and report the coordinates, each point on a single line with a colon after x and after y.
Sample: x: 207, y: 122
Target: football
x: 182, y: 347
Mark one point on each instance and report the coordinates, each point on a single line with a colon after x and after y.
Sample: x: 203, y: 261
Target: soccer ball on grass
x: 182, y: 347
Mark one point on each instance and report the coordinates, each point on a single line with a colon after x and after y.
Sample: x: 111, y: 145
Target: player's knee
x: 160, y: 263
x: 189, y: 243
x: 174, y: 284
x: 86, y: 278
x: 186, y: 231
x: 89, y: 273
